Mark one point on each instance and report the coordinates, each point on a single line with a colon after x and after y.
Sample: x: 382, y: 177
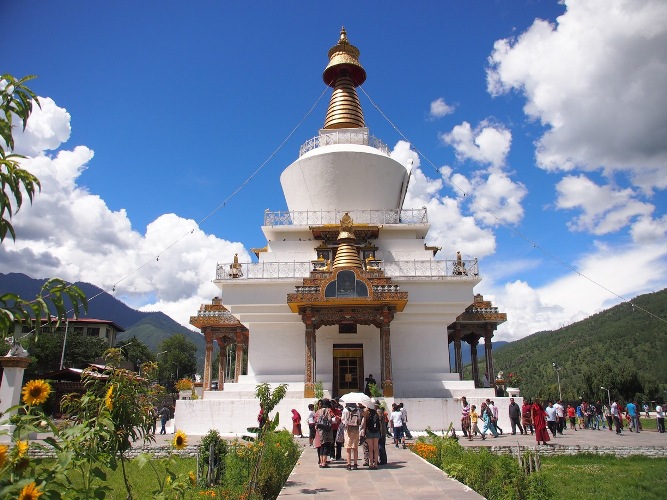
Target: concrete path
x: 406, y: 476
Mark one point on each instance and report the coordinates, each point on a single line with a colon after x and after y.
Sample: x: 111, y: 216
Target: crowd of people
x: 334, y: 425
x: 552, y: 419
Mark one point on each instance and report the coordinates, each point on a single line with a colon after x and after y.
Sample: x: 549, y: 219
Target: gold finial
x: 344, y: 73
x: 347, y: 254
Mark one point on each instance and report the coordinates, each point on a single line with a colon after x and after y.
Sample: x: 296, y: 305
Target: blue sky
x: 550, y: 115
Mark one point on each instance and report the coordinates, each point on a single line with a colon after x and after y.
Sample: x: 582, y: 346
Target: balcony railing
x: 361, y: 137
x: 400, y: 269
x: 321, y: 217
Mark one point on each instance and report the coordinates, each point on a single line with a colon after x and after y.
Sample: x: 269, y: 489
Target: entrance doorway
x: 348, y: 369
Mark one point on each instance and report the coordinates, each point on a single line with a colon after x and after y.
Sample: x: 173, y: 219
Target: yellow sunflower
x: 108, y: 400
x: 193, y: 478
x: 21, y: 448
x: 180, y: 440
x: 3, y: 454
x: 30, y: 492
x: 36, y: 392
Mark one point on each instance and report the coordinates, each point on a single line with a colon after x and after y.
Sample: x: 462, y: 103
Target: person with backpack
x: 372, y: 430
x: 324, y: 419
x: 351, y: 421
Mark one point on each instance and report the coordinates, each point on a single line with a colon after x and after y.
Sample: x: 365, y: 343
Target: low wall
x: 560, y: 450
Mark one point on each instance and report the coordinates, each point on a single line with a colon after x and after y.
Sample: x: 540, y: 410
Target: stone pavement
x: 406, y: 476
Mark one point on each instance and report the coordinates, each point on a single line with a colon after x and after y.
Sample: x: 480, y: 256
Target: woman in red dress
x: 538, y: 415
x: 296, y: 423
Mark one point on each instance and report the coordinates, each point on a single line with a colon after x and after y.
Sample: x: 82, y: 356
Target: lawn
x: 601, y: 476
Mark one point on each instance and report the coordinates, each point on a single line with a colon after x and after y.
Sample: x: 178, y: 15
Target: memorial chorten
x: 345, y: 286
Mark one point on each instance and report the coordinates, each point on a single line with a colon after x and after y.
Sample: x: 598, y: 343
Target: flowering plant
x: 185, y: 384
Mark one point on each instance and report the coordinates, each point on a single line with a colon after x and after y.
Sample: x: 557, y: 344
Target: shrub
x: 212, y: 452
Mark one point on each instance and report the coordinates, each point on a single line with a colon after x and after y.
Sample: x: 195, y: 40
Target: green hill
x: 622, y: 348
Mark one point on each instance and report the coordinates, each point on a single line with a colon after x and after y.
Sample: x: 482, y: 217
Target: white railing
x: 321, y: 217
x: 361, y: 137
x: 437, y: 269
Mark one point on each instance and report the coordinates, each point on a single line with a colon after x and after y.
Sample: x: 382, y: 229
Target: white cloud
x: 497, y: 199
x: 626, y: 270
x: 71, y: 233
x: 605, y: 209
x: 440, y: 108
x: 450, y: 228
x: 47, y: 128
x: 486, y: 144
x: 593, y: 80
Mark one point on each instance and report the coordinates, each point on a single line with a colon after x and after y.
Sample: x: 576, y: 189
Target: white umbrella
x: 355, y: 397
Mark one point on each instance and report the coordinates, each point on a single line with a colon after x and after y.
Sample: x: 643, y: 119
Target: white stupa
x: 346, y: 286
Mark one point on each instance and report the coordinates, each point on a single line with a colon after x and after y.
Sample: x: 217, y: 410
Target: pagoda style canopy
x: 480, y: 319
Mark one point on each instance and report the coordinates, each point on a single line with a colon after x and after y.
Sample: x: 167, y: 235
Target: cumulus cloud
x: 604, y: 209
x: 72, y: 233
x: 624, y: 270
x: 593, y: 80
x: 486, y: 144
x: 440, y: 108
x: 450, y: 228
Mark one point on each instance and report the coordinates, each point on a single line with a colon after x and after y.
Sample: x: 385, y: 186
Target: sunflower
x: 108, y: 399
x: 3, y: 454
x: 30, y: 492
x: 21, y: 448
x: 193, y: 478
x: 180, y: 440
x: 36, y: 392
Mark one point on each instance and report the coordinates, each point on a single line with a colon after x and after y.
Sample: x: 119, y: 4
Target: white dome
x: 344, y: 177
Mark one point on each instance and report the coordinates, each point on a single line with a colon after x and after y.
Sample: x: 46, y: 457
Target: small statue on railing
x: 235, y: 270
x: 460, y: 266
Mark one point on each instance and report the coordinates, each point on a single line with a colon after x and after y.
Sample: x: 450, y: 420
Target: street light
x: 608, y: 395
x: 558, y: 368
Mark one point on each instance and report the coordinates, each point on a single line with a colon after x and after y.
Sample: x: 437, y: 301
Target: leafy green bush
x: 212, y: 442
x: 490, y: 475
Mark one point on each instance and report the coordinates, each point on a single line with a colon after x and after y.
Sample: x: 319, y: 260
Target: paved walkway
x: 406, y: 476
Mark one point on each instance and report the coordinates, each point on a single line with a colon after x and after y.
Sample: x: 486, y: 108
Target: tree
x: 46, y: 352
x: 16, y: 101
x: 177, y: 358
x: 136, y: 352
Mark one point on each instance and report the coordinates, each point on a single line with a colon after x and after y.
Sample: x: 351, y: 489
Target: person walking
x: 538, y: 415
x: 311, y: 424
x: 474, y: 429
x: 572, y: 417
x: 296, y: 423
x: 494, y: 413
x: 406, y: 431
x: 465, y: 416
x: 633, y: 412
x: 164, y: 418
x: 487, y: 418
x: 526, y: 419
x: 660, y: 417
x: 552, y: 419
x: 616, y: 415
x: 396, y: 424
x: 514, y: 412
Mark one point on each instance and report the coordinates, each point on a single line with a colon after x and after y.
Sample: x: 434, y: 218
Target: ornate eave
x: 330, y: 232
x: 216, y: 322
x: 316, y: 291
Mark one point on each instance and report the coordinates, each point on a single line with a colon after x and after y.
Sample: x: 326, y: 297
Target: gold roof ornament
x: 347, y: 254
x: 344, y: 73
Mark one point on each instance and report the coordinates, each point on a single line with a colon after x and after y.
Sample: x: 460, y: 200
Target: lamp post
x: 608, y: 395
x: 558, y: 368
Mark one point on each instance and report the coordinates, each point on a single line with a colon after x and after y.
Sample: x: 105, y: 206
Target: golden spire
x: 347, y: 254
x: 344, y: 73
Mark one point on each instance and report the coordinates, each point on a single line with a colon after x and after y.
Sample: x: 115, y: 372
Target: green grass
x: 598, y: 476
x: 142, y: 480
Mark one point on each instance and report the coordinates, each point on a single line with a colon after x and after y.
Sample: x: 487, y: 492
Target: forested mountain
x: 622, y: 348
x: 149, y: 327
